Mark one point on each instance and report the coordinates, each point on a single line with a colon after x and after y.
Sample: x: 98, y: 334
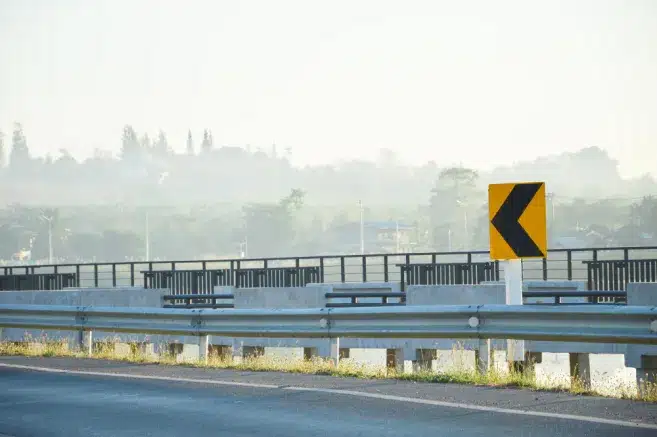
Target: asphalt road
x: 71, y: 398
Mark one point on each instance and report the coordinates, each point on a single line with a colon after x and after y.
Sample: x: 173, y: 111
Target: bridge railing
x: 561, y: 264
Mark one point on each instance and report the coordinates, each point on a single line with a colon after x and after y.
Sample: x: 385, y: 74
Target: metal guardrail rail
x: 210, y: 300
x: 596, y: 324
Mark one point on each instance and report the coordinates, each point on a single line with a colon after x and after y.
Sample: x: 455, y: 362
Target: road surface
x: 64, y: 397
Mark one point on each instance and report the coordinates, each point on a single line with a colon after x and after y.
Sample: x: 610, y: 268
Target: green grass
x: 459, y: 374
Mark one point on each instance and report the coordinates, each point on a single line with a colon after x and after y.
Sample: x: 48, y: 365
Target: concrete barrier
x: 113, y: 297
x: 337, y: 287
x: 280, y: 297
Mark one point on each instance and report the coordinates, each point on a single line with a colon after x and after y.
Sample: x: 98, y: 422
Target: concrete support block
x: 189, y: 353
x: 280, y: 297
x: 455, y: 294
x: 642, y: 294
x: 483, y: 356
x: 122, y: 349
x: 515, y: 351
x: 646, y: 375
x: 396, y: 362
x: 580, y: 370
x: 220, y: 352
x: 241, y: 352
x: 252, y: 351
x: 424, y: 359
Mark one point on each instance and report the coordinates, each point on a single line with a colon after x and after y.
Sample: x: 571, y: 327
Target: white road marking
x: 477, y: 407
x: 462, y: 406
x: 130, y: 376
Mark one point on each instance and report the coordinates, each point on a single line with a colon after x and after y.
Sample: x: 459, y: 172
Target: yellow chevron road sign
x: 517, y: 220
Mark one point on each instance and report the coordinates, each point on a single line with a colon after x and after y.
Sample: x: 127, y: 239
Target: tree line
x: 211, y: 201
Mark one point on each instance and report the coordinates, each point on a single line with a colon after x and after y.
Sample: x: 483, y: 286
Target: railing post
x: 385, y: 268
x: 321, y: 269
x: 364, y: 268
x: 545, y: 269
x: 96, y: 275
x: 343, y: 275
x: 113, y: 274
x: 132, y: 274
x: 569, y: 258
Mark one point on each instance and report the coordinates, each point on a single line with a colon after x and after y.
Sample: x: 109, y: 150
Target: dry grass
x: 459, y: 374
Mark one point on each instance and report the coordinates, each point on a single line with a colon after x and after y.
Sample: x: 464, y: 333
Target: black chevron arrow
x: 506, y: 221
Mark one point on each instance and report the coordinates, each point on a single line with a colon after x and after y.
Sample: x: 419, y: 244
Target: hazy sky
x: 478, y: 82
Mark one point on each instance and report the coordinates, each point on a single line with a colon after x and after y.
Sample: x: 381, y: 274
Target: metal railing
x: 561, y: 264
x: 37, y: 281
x: 595, y: 324
x: 387, y: 298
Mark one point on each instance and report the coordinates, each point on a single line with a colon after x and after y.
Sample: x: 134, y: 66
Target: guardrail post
x: 483, y: 356
x: 86, y: 342
x: 203, y: 348
x: 334, y: 350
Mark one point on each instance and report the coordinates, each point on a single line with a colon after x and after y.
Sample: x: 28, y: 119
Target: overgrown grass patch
x: 110, y: 349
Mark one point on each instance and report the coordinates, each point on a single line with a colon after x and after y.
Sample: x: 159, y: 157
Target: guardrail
x: 210, y: 300
x: 563, y: 264
x: 593, y: 324
x: 199, y: 301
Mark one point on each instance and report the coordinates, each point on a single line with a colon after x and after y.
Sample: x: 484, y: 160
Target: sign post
x: 518, y: 230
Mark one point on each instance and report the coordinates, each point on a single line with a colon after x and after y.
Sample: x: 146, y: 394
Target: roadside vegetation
x: 458, y: 374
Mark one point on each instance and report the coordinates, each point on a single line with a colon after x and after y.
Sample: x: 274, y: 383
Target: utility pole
x: 50, y: 251
x: 397, y: 235
x: 148, y: 239
x: 162, y: 176
x: 50, y: 256
x: 362, y: 229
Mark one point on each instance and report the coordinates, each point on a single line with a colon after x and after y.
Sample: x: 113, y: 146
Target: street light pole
x: 50, y: 257
x: 148, y: 239
x: 161, y: 179
x: 50, y: 251
x: 362, y: 229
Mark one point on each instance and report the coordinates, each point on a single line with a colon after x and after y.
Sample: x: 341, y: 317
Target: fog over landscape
x: 227, y: 129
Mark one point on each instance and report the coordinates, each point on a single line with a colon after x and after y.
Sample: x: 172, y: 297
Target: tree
x: 452, y: 200
x: 20, y: 154
x: 145, y: 142
x: 190, y: 143
x: 271, y: 228
x: 161, y: 147
x: 206, y: 144
x: 294, y: 201
x: 130, y: 147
